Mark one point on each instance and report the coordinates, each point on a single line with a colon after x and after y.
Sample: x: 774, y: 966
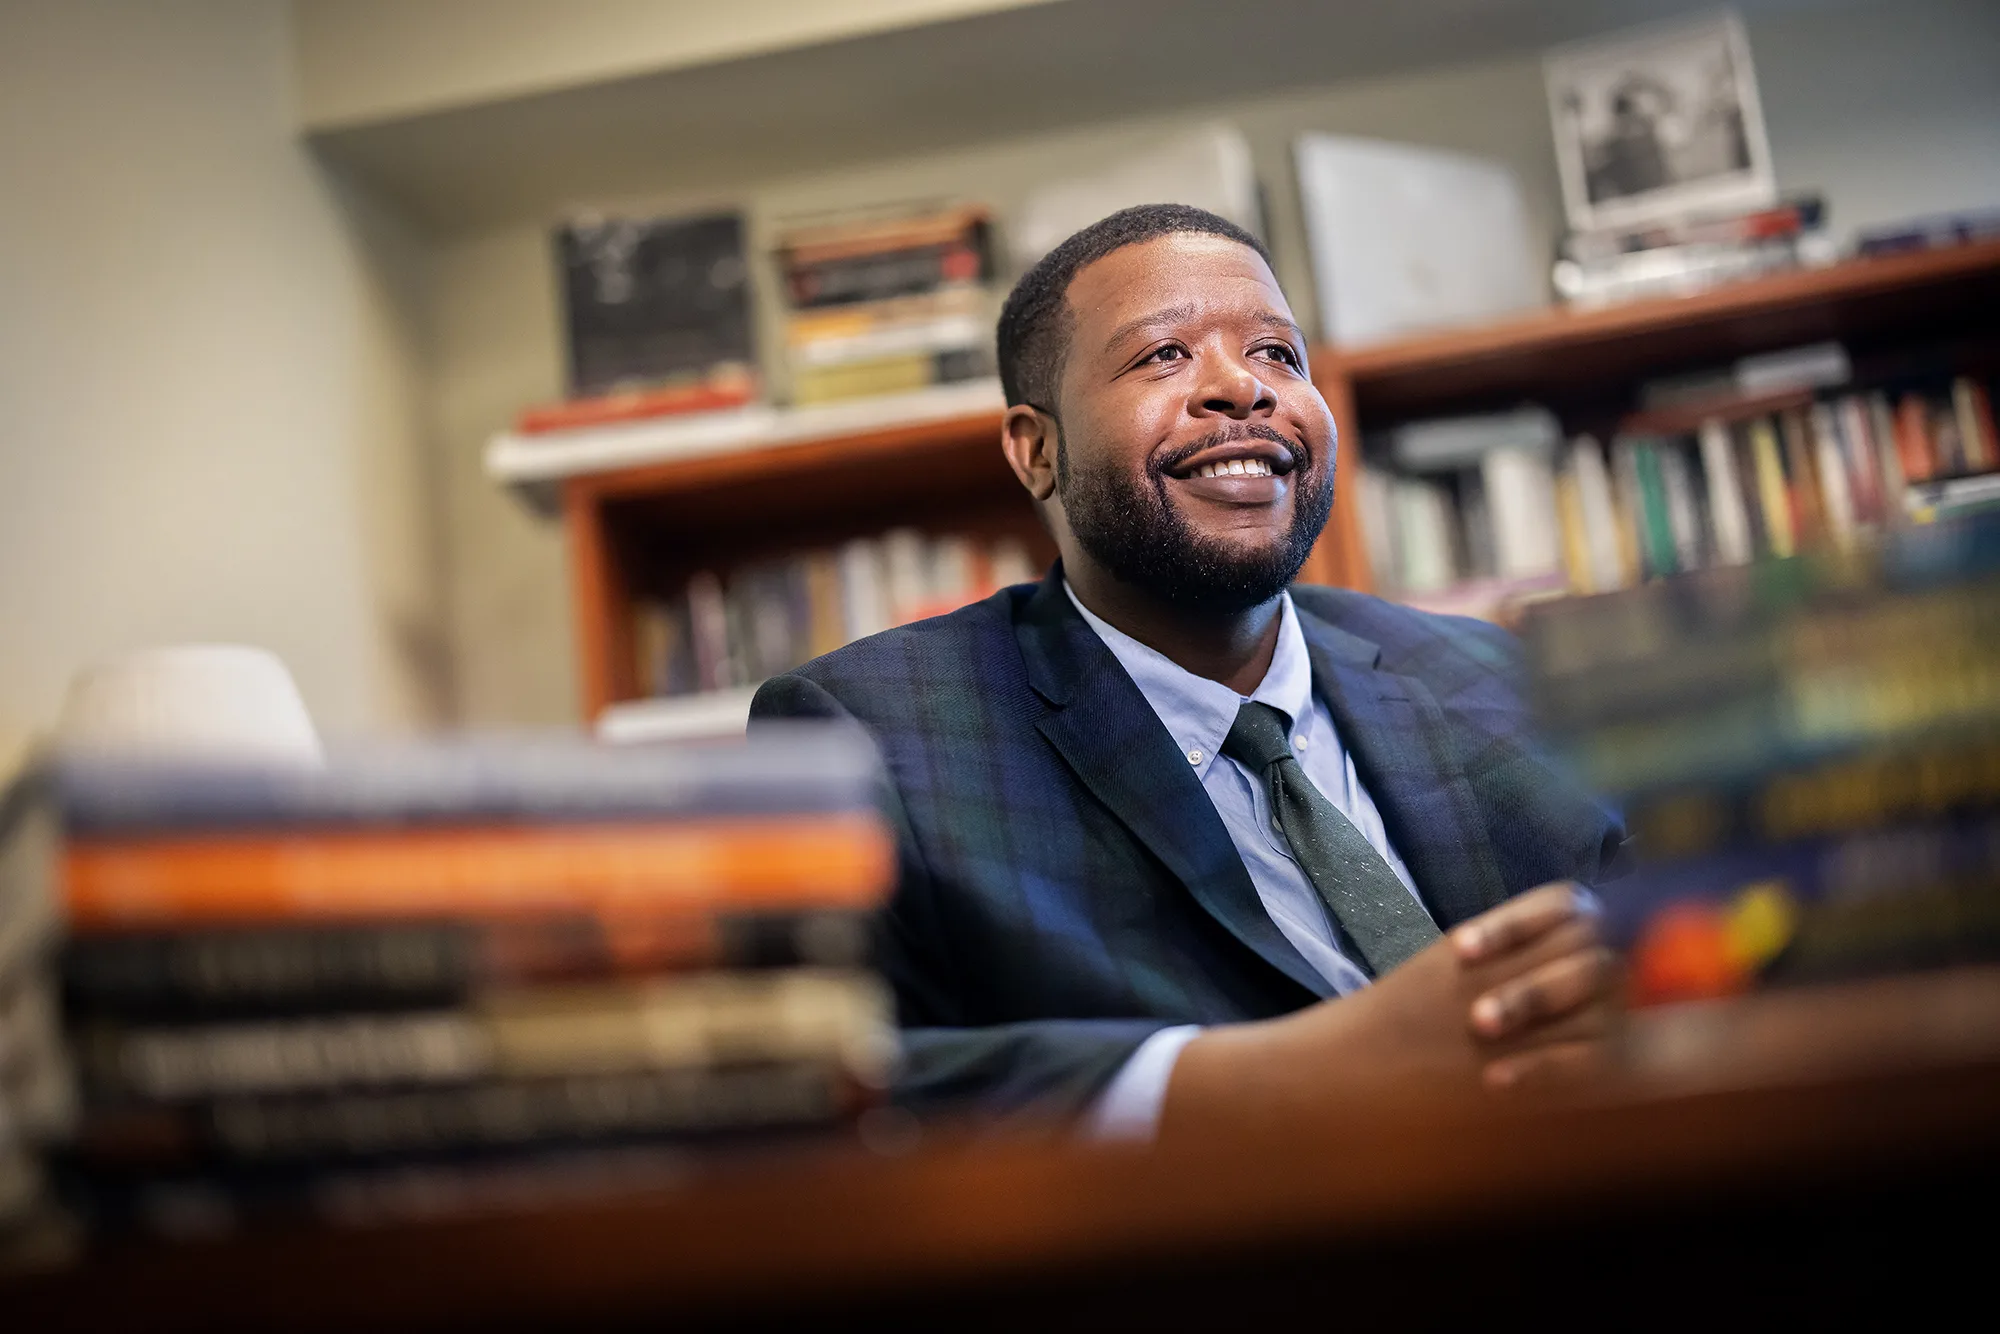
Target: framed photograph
x: 1659, y: 123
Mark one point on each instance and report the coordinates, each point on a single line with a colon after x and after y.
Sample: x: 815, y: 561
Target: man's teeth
x: 1234, y: 468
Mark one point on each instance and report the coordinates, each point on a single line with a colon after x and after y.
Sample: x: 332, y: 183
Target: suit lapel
x: 1109, y: 735
x: 1392, y: 726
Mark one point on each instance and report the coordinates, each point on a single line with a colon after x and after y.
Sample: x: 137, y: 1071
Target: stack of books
x: 887, y: 305
x: 1681, y: 488
x: 442, y: 977
x: 773, y: 616
x: 1808, y: 755
x: 657, y: 318
x: 1679, y: 258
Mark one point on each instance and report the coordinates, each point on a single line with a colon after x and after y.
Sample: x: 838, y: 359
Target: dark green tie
x: 1378, y: 916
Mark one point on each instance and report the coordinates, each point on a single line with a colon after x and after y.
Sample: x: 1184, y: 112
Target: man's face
x: 1196, y: 457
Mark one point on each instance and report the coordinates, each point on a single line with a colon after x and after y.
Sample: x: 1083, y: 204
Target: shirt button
x: 1194, y: 757
x: 1298, y: 743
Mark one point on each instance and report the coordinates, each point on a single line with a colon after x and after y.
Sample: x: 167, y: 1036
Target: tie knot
x: 1260, y: 737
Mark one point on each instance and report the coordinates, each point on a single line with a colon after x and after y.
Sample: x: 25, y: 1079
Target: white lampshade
x: 225, y: 702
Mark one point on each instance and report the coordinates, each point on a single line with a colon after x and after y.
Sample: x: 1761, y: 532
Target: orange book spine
x: 1913, y: 439
x: 747, y: 864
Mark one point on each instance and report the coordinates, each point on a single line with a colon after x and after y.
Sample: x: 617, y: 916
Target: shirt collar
x: 1196, y: 711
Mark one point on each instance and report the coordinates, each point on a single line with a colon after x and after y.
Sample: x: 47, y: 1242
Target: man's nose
x: 1232, y: 389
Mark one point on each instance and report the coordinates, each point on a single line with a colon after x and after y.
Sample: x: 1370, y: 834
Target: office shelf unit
x: 773, y: 483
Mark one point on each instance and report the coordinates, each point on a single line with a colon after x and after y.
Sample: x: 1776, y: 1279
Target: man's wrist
x: 1129, y: 1108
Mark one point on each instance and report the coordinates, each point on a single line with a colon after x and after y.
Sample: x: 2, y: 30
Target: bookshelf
x: 645, y: 506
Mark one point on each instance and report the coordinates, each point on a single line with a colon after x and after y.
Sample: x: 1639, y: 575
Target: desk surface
x: 1850, y: 1123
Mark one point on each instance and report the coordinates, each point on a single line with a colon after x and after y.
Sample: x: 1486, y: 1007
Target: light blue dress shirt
x: 1198, y: 714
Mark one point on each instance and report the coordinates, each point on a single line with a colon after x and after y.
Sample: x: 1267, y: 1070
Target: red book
x: 1914, y: 445
x: 710, y: 395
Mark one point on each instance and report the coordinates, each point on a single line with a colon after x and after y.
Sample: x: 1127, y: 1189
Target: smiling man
x: 1183, y: 845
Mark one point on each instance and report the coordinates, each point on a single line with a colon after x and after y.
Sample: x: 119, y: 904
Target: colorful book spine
x: 805, y: 861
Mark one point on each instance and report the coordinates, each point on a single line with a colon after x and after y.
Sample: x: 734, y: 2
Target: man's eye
x: 1283, y: 352
x: 1171, y: 352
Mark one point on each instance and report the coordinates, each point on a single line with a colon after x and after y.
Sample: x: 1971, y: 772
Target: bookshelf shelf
x: 645, y: 505
x: 1558, y: 351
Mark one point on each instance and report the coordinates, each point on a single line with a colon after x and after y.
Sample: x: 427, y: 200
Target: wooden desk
x: 1801, y: 1156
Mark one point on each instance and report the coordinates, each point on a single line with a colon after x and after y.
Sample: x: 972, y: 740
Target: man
x: 1178, y: 845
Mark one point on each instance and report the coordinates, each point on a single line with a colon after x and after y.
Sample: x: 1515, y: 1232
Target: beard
x: 1129, y: 526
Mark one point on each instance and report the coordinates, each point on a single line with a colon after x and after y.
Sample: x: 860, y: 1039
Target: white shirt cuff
x: 1129, y: 1109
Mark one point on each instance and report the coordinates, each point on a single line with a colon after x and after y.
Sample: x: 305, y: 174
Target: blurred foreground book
x: 1808, y: 755
x: 432, y: 978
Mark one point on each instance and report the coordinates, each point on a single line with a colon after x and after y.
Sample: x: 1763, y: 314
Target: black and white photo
x: 1659, y: 123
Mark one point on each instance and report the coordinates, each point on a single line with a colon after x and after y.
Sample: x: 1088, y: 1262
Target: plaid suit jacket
x: 1067, y: 887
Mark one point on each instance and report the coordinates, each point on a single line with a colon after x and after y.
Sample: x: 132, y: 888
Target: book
x: 1813, y: 911
x: 728, y: 386
x: 1575, y: 538
x: 1727, y: 516
x: 1446, y: 444
x: 806, y: 245
x: 957, y: 333
x: 1914, y: 445
x: 1888, y: 459
x: 1804, y: 484
x: 1654, y: 524
x: 1860, y: 453
x: 1773, y: 493
x: 882, y: 275
x: 293, y: 968
x: 1833, y: 476
x: 1683, y: 507
x: 383, y: 789
x: 887, y: 375
x: 654, y: 302
x: 799, y: 860
x: 956, y: 302
x: 707, y: 1020
x: 1973, y: 411
x: 1600, y: 521
x: 1519, y: 488
x: 478, y: 1118
x: 1423, y: 532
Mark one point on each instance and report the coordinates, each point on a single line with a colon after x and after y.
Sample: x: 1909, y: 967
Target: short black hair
x: 1035, y: 323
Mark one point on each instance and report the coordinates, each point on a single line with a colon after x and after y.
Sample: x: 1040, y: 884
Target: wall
x: 211, y: 371
x: 1888, y: 108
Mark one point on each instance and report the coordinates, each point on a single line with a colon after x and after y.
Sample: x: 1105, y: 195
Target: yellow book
x: 863, y: 379
x: 1575, y: 544
x: 1771, y: 493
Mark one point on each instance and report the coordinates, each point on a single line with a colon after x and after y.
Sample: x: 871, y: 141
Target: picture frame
x: 1659, y: 123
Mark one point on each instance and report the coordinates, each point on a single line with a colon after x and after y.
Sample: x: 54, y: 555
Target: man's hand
x: 1545, y: 985
x: 1522, y: 995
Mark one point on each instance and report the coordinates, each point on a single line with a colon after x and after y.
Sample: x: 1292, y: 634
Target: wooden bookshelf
x: 776, y: 483
x: 1795, y: 1152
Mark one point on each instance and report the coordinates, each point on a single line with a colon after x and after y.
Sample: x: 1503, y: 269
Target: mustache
x: 1229, y: 435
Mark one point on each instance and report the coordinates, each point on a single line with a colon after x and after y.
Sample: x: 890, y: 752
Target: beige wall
x: 1889, y: 108
x: 210, y: 370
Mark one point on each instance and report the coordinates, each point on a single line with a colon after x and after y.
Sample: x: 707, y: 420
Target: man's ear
x: 1029, y: 439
